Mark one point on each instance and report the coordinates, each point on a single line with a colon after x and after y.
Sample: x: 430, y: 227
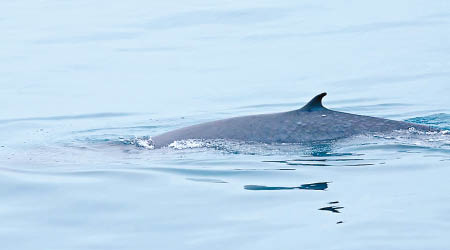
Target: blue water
x: 84, y: 85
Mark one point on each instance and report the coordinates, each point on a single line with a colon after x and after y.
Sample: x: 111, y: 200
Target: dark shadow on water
x: 325, y: 162
x: 333, y: 209
x: 318, y: 164
x: 315, y: 160
x: 347, y: 159
x: 321, y: 155
x: 313, y: 186
x: 330, y: 154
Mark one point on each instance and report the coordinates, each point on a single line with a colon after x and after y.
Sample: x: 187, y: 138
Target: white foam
x: 185, y: 144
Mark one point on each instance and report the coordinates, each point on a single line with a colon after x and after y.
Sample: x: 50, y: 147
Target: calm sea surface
x: 85, y: 84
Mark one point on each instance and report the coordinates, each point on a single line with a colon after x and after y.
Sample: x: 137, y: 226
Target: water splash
x: 140, y: 142
x: 186, y: 144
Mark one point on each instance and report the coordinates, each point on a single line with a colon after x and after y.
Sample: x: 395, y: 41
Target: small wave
x: 440, y: 120
x: 132, y: 128
x: 207, y: 180
x: 413, y: 137
x: 69, y: 117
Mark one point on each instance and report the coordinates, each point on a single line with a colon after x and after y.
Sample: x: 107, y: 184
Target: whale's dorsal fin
x: 315, y: 103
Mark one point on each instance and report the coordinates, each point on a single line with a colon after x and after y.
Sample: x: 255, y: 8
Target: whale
x: 310, y: 123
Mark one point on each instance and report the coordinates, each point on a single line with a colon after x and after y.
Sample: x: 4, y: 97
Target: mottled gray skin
x: 311, y: 123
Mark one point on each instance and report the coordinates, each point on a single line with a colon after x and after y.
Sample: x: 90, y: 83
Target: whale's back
x: 296, y: 126
x: 312, y: 122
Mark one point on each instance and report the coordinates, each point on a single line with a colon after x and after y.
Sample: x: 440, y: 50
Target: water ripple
x: 313, y: 186
x: 69, y: 117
